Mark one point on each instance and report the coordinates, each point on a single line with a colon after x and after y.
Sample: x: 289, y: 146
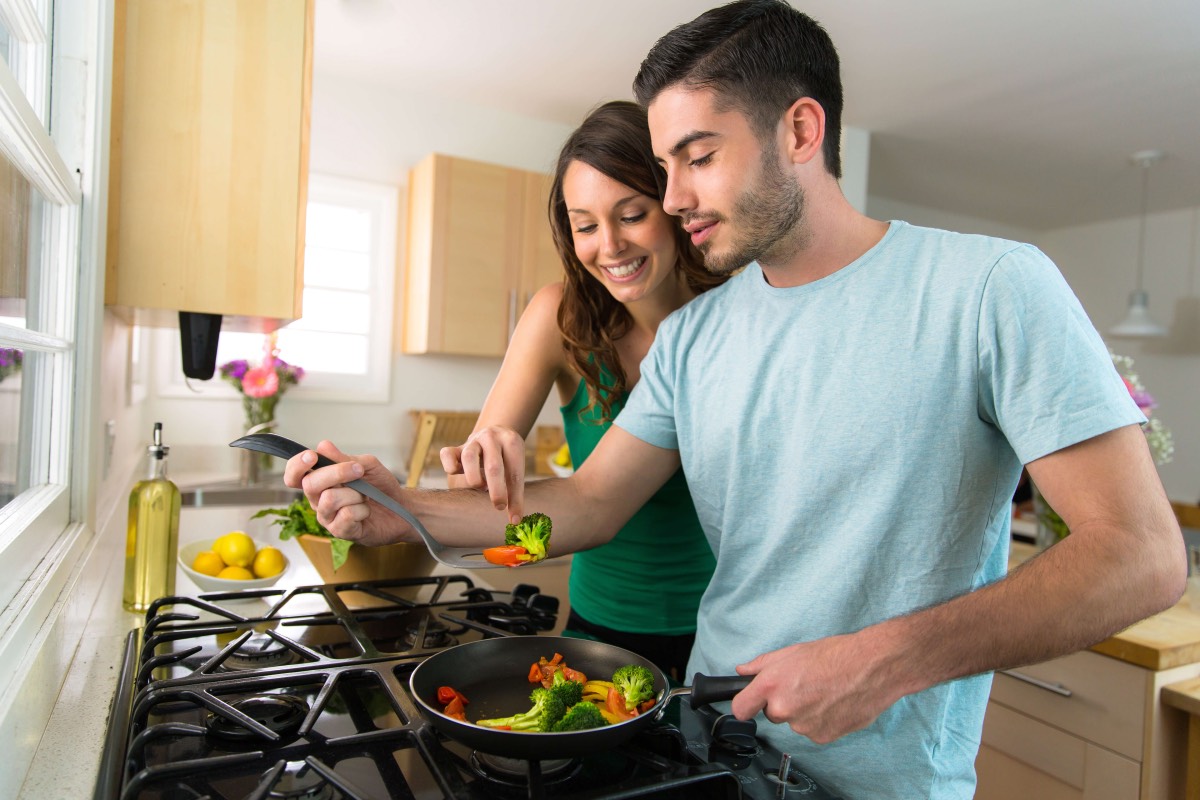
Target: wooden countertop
x: 1184, y: 695
x: 1168, y: 639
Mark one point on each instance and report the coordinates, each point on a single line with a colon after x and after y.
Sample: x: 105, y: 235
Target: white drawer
x: 1106, y: 702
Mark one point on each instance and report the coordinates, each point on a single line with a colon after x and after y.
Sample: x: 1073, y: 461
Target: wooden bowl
x: 368, y: 563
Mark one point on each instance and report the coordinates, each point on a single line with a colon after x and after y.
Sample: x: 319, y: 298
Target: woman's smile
x: 626, y: 270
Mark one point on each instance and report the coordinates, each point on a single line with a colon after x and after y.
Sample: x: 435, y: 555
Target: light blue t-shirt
x: 852, y: 447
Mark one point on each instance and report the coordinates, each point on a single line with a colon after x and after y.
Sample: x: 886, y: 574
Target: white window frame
x: 45, y: 532
x: 381, y: 202
x: 32, y: 523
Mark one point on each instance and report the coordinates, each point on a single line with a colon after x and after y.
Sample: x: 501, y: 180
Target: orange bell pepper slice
x: 506, y: 555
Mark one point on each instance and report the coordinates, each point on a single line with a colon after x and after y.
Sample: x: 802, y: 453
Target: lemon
x: 208, y: 563
x: 268, y: 562
x: 236, y: 574
x: 236, y: 549
x: 563, y: 456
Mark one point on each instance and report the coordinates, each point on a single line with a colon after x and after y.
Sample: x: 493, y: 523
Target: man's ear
x: 804, y: 130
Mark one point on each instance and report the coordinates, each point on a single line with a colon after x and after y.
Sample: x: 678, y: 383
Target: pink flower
x: 260, y: 382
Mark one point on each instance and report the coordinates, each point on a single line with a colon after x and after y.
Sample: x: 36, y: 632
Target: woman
x: 628, y: 265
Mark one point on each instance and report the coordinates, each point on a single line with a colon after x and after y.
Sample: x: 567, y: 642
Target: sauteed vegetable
x: 454, y: 702
x: 565, y: 700
x: 635, y: 685
x: 524, y: 542
x: 549, y: 706
x: 544, y: 671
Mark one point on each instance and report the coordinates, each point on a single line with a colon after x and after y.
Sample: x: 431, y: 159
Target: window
x: 343, y: 341
x: 40, y: 223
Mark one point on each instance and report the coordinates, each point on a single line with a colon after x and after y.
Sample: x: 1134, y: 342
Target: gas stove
x: 303, y: 693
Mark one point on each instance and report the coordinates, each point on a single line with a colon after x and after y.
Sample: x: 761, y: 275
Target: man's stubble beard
x: 769, y: 215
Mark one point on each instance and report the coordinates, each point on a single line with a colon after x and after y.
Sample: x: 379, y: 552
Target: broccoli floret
x: 635, y: 683
x: 580, y: 717
x: 547, y: 710
x: 532, y: 533
x: 568, y: 691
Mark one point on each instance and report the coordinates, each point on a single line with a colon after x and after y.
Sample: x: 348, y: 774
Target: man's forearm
x: 1077, y: 593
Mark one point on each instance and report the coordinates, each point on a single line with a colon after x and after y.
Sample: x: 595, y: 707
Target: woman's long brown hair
x: 615, y: 140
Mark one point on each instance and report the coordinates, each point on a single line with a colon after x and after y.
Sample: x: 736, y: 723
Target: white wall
x: 856, y: 166
x: 883, y: 208
x: 375, y: 133
x: 1100, y: 261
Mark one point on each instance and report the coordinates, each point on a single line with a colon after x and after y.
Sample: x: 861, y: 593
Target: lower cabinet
x: 1082, y: 727
x: 1023, y: 757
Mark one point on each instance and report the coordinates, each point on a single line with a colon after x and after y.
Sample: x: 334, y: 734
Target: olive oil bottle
x: 152, y: 540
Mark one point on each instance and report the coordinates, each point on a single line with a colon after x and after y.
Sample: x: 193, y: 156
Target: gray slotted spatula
x: 460, y: 557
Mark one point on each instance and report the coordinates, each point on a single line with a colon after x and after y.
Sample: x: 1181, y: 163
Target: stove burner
x: 515, y: 771
x: 300, y: 782
x: 436, y: 635
x: 279, y: 713
x: 259, y: 651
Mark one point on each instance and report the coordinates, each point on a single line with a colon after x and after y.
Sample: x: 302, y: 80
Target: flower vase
x: 254, y: 465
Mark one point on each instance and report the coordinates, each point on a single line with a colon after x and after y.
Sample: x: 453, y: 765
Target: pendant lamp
x: 1138, y: 323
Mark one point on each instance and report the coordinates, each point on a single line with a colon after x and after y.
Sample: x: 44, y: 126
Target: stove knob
x: 735, y: 735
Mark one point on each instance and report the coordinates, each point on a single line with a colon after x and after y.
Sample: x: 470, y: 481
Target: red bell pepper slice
x: 506, y: 555
x: 616, y: 704
x: 455, y: 709
x: 445, y: 694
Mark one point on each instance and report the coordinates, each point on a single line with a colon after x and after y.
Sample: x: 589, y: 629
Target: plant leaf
x: 339, y: 549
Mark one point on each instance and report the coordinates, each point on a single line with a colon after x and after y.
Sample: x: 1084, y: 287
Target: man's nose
x: 678, y: 197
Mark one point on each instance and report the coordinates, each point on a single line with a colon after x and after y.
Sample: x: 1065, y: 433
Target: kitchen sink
x: 235, y: 494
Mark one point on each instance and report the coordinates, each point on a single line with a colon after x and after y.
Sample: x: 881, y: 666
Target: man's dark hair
x: 757, y: 56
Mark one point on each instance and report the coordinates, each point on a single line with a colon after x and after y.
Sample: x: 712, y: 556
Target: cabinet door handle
x: 1057, y: 688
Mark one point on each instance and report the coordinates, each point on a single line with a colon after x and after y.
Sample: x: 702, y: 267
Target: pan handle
x: 707, y: 689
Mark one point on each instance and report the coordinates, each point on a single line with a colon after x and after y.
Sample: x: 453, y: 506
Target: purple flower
x: 235, y: 369
x: 1144, y: 400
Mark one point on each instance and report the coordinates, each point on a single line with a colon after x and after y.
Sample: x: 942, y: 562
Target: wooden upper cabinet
x: 478, y: 247
x: 209, y: 158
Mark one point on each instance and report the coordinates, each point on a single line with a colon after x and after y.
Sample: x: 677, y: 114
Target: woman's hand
x: 492, y: 458
x: 343, y: 511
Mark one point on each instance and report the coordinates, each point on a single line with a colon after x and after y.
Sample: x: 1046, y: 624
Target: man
x: 852, y: 411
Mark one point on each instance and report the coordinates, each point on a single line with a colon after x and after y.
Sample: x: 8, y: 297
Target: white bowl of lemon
x: 232, y: 562
x: 560, y: 462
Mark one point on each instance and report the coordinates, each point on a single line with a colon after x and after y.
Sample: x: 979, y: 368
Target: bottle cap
x: 158, y: 449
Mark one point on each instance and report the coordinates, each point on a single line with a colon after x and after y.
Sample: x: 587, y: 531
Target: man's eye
x: 701, y: 161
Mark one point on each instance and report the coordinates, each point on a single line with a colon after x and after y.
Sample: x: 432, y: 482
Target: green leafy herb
x: 298, y: 519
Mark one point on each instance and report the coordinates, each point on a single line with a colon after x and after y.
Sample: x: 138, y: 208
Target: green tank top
x: 649, y: 578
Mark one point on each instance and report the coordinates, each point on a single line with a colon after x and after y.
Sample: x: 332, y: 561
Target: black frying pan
x: 493, y: 674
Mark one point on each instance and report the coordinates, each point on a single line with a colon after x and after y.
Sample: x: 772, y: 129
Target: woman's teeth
x: 625, y: 270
